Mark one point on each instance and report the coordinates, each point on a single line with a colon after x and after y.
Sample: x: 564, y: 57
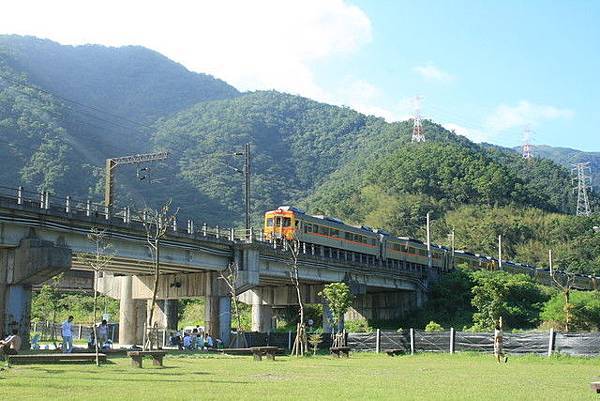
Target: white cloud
x: 430, y: 72
x: 264, y: 44
x: 362, y: 96
x: 524, y: 113
x: 474, y: 134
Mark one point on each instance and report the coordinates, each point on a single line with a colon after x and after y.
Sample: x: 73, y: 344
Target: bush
x: 358, y: 326
x: 585, y: 307
x: 433, y: 326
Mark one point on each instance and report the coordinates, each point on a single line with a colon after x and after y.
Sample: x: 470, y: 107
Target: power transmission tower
x: 527, y: 147
x: 111, y: 164
x: 418, y: 134
x: 582, y: 172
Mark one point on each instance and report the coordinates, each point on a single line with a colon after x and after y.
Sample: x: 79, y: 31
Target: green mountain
x: 64, y: 110
x: 567, y: 157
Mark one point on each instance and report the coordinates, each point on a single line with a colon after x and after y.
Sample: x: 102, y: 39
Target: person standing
x: 498, y: 339
x: 102, y: 334
x: 67, y: 335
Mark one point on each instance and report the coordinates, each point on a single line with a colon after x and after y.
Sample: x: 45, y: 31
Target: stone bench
x: 54, y: 358
x: 268, y: 352
x: 138, y: 356
x: 395, y: 351
x: 340, y: 351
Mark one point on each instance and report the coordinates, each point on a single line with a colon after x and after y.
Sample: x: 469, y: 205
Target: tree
x: 514, y: 297
x: 48, y: 301
x: 585, y: 310
x: 564, y: 281
x: 97, y: 261
x: 230, y: 276
x: 293, y: 249
x: 156, y: 224
x: 338, y: 298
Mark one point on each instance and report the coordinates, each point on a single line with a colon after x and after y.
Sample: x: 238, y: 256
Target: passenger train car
x: 330, y: 237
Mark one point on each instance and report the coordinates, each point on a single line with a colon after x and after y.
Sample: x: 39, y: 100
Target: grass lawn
x: 364, y: 376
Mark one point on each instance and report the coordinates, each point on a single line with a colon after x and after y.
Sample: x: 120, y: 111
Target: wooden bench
x: 138, y: 356
x: 395, y: 351
x: 54, y: 358
x: 340, y: 351
x: 268, y: 352
x: 595, y: 386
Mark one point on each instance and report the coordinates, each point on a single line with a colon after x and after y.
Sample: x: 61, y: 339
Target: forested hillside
x: 64, y: 110
x: 567, y: 157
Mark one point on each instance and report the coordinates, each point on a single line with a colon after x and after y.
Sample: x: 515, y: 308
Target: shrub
x: 433, y: 326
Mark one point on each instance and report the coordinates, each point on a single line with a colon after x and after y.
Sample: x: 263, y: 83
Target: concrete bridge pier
x: 132, y: 314
x: 217, y: 311
x: 32, y: 262
x: 262, y: 313
x: 387, y: 305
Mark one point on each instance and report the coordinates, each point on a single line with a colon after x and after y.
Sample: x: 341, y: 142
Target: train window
x: 348, y: 236
x: 308, y: 228
x: 297, y: 223
x: 270, y: 222
x: 277, y: 221
x: 411, y: 250
x: 396, y: 247
x: 334, y: 233
x: 287, y: 222
x: 373, y: 242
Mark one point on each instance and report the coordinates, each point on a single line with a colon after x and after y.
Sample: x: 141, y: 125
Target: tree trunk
x: 567, y: 310
x: 149, y: 340
x: 96, y: 319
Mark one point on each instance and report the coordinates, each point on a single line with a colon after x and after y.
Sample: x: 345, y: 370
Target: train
x: 330, y: 237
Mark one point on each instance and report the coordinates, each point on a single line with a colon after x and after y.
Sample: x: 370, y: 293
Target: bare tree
x: 292, y: 246
x: 564, y: 281
x: 97, y: 261
x: 230, y: 276
x: 156, y: 224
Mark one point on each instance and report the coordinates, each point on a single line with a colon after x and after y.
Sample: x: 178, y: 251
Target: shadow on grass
x: 158, y: 379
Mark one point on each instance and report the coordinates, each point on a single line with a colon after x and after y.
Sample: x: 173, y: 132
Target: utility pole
x: 429, y: 261
x: 451, y: 238
x: 499, y: 252
x: 550, y: 261
x: 247, y: 186
x: 111, y: 164
x: 582, y: 172
x: 418, y: 134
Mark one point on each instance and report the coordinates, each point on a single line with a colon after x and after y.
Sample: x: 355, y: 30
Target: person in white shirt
x: 102, y: 333
x: 498, y: 349
x: 11, y: 345
x: 67, y: 335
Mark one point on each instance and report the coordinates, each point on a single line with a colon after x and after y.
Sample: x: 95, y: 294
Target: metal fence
x: 412, y: 341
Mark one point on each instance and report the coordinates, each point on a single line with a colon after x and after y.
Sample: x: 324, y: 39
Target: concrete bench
x: 340, y: 351
x: 595, y: 386
x: 54, y: 358
x: 395, y: 351
x: 138, y: 356
x: 268, y: 351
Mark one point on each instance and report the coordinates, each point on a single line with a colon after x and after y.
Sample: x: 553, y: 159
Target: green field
x: 362, y: 377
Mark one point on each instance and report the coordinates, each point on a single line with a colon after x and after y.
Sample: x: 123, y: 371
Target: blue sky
x: 494, y: 67
x: 487, y: 69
